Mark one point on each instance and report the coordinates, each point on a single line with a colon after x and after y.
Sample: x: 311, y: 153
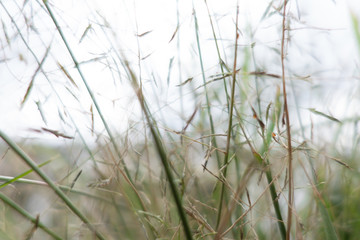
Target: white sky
x: 322, y: 46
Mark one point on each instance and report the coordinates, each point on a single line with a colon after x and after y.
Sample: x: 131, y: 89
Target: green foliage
x: 202, y: 158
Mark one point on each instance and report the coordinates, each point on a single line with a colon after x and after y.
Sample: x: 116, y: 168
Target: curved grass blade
x: 313, y: 110
x: 97, y: 107
x: 208, y: 106
x: 51, y: 184
x: 27, y: 215
x: 161, y: 151
x: 62, y: 187
x: 90, y: 92
x: 22, y: 175
x: 232, y: 100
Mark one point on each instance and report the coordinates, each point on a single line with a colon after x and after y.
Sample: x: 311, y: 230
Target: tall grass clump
x: 178, y: 120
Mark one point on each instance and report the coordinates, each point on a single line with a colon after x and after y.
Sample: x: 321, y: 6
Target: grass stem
x: 288, y: 130
x: 161, y: 151
x: 232, y: 100
x: 51, y: 184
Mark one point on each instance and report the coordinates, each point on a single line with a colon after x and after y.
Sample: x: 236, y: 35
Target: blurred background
x: 181, y: 53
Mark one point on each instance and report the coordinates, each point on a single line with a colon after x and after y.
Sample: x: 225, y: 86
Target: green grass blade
x: 51, y: 184
x: 62, y: 187
x: 219, y: 56
x: 329, y: 229
x: 22, y: 175
x: 313, y: 110
x: 27, y: 215
x: 263, y: 151
x: 52, y: 87
x: 205, y: 88
x: 229, y: 131
x: 325, y: 216
x: 97, y: 107
x: 161, y: 151
x: 269, y: 177
x: 91, y: 94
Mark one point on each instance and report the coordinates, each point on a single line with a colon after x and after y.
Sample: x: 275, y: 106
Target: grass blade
x: 161, y: 151
x: 288, y: 129
x: 22, y: 175
x: 27, y: 215
x: 51, y: 184
x: 313, y: 110
x: 232, y: 100
x: 97, y: 107
x: 205, y: 88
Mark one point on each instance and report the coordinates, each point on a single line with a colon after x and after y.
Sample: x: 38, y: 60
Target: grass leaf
x: 51, y: 184
x: 27, y: 215
x: 67, y: 74
x: 313, y: 110
x: 88, y: 28
x: 22, y: 175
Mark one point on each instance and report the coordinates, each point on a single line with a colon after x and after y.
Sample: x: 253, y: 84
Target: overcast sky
x: 322, y: 44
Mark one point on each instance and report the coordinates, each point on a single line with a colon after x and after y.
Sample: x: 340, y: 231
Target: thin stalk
x: 51, y: 184
x: 261, y: 157
x: 232, y: 100
x: 161, y: 151
x: 274, y: 198
x: 219, y: 56
x: 290, y: 170
x: 212, y: 128
x: 222, y: 70
x: 92, y: 96
x: 258, y: 96
x: 267, y: 141
x: 62, y: 187
x: 330, y: 232
x: 226, y: 92
x: 179, y: 56
x: 40, y: 63
x: 142, y: 206
x: 27, y: 215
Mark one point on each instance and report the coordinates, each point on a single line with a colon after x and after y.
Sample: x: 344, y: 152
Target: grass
x: 226, y: 149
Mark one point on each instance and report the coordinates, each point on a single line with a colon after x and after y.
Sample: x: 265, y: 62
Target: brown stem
x: 286, y: 112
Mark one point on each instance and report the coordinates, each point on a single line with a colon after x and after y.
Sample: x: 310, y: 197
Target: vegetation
x: 126, y: 135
